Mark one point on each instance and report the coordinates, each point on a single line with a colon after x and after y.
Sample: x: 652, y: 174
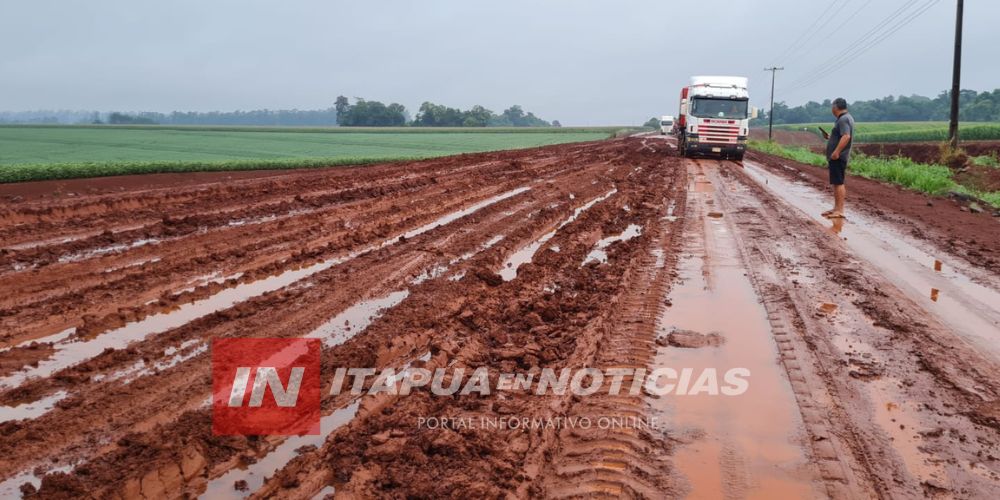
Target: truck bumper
x: 723, y: 150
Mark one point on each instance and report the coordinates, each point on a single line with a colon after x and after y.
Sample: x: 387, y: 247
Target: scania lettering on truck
x: 714, y: 118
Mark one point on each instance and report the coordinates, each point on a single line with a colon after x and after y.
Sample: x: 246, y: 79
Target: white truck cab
x: 714, y: 118
x: 666, y: 124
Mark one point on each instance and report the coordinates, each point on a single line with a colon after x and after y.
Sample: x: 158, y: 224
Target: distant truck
x: 714, y: 118
x: 666, y: 125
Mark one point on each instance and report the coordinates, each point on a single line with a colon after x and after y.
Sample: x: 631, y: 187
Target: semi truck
x: 714, y: 117
x: 666, y: 125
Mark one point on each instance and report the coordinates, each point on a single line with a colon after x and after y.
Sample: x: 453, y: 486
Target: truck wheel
x: 738, y: 157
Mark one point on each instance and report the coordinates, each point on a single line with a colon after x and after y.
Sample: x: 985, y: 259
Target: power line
x: 860, y: 41
x: 859, y: 51
x: 805, y: 33
x: 866, y: 44
x: 813, y: 46
x: 865, y: 38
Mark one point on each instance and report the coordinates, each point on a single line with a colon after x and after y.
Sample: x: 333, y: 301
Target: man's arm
x: 844, y: 140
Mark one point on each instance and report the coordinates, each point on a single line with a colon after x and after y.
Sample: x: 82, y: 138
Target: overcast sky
x: 579, y: 61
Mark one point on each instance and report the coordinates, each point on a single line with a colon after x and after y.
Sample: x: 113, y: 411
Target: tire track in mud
x: 133, y: 421
x: 844, y: 476
x: 72, y: 285
x: 876, y: 376
x: 387, y: 266
x: 232, y: 322
x: 628, y: 461
x: 518, y: 324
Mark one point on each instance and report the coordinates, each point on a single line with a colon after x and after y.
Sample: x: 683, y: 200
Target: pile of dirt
x: 980, y: 178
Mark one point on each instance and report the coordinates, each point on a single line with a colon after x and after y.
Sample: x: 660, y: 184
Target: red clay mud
x: 113, y: 295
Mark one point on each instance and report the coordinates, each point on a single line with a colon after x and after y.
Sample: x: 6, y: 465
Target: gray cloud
x: 582, y: 62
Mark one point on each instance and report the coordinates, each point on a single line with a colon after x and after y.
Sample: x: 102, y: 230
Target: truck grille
x: 725, y: 134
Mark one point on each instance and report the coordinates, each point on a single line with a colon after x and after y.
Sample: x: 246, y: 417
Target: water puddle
x: 108, y: 249
x: 255, y: 474
x: 458, y: 215
x: 599, y: 254
x: 215, y: 277
x: 827, y: 308
x: 175, y: 356
x: 48, y: 242
x: 328, y: 490
x: 31, y: 410
x: 440, y: 270
x: 55, y: 337
x: 897, y: 418
x: 355, y: 319
x: 69, y: 351
x: 745, y: 445
x: 11, y: 488
x: 509, y: 269
x: 970, y: 309
x: 136, y: 263
x: 671, y: 207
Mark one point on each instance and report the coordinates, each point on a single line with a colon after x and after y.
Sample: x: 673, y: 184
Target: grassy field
x: 935, y: 180
x: 52, y: 152
x: 909, y: 131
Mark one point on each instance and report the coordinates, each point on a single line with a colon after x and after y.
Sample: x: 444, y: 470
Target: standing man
x: 838, y: 153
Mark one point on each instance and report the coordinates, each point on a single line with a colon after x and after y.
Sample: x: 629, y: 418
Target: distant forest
x: 362, y: 113
x: 974, y: 107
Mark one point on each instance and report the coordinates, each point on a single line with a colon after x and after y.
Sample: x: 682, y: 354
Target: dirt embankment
x: 924, y: 152
x: 787, y: 137
x: 979, y: 177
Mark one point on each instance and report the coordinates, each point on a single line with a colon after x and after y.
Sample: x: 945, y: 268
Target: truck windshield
x: 719, y: 108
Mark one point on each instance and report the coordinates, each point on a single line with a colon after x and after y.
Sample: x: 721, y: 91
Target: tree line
x: 365, y: 113
x: 973, y: 106
x: 361, y: 113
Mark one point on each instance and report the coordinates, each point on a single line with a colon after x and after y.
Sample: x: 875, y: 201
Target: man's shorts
x: 838, y: 170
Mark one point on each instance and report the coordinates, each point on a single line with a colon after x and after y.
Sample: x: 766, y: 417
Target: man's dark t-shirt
x: 844, y: 126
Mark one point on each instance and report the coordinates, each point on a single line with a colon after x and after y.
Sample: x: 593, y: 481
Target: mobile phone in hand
x: 826, y: 135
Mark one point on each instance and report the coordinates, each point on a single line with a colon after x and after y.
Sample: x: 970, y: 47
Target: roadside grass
x: 46, y: 152
x: 992, y: 198
x: 935, y: 180
x: 908, y: 131
x: 986, y: 161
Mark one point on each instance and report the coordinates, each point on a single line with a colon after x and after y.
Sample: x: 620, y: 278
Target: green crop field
x: 53, y: 152
x: 909, y: 131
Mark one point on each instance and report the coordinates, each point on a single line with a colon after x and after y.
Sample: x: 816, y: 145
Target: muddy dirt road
x: 872, y: 345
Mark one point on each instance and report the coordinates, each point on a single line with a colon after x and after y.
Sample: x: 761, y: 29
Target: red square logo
x: 266, y: 386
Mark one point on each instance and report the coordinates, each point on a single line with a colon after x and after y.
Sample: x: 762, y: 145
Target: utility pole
x: 770, y: 114
x: 956, y: 78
